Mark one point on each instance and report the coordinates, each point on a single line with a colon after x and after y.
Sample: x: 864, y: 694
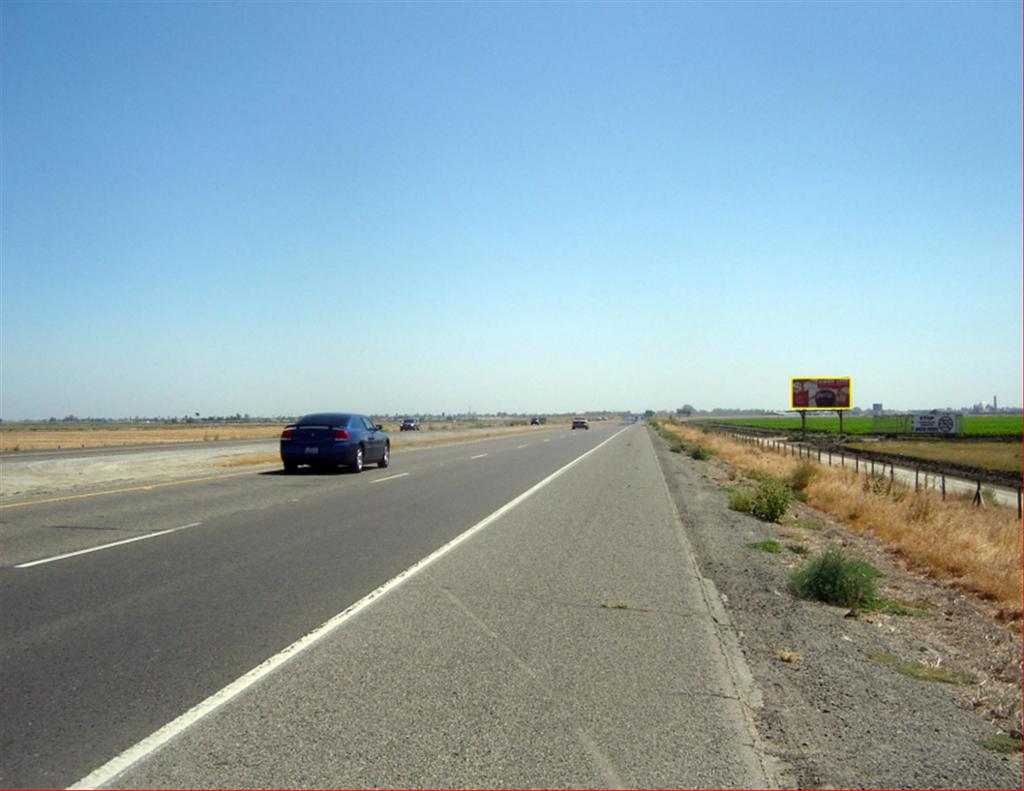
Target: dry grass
x: 978, y: 549
x: 989, y: 455
x: 20, y: 438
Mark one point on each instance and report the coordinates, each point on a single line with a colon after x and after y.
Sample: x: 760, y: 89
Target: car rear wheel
x: 385, y: 460
x: 357, y: 464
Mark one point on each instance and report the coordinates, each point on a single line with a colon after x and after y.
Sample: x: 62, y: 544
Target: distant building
x: 876, y: 409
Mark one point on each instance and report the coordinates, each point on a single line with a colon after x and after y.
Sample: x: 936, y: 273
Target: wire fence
x: 933, y: 475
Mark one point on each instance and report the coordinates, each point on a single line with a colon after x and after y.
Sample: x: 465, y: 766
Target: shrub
x: 771, y: 500
x: 741, y: 500
x: 700, y: 453
x: 836, y: 579
x: 802, y: 476
x: 767, y: 546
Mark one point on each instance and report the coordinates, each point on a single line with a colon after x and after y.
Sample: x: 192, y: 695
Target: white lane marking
x: 390, y: 477
x: 547, y: 440
x: 105, y: 546
x: 159, y: 738
x: 519, y: 447
x: 478, y: 456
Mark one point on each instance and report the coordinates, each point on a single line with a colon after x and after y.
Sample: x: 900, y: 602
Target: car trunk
x: 313, y: 436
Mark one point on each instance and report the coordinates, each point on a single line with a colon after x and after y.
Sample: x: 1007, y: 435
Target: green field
x: 974, y: 425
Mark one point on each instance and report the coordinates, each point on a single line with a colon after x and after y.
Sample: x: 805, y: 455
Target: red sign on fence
x: 817, y: 393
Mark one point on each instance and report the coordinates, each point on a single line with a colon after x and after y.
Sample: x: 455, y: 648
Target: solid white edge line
x: 104, y: 546
x: 390, y: 477
x: 478, y: 456
x: 159, y: 738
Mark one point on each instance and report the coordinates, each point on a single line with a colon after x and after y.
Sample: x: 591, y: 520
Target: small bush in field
x: 802, y: 476
x: 741, y: 500
x: 771, y: 500
x: 700, y: 453
x: 836, y: 579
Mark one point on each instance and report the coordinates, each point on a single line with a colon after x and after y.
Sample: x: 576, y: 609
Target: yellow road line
x: 145, y: 488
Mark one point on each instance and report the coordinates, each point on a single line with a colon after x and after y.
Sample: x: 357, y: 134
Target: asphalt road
x: 567, y: 643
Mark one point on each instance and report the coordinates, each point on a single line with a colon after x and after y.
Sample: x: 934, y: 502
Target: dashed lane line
x: 105, y: 546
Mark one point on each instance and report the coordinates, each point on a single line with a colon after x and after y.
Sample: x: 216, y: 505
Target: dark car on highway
x: 331, y: 439
x: 580, y: 422
x: 409, y: 425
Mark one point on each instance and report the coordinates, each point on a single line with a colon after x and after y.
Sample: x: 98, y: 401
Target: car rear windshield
x: 325, y: 419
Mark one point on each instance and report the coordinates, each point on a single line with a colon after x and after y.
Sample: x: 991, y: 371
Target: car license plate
x: 310, y: 451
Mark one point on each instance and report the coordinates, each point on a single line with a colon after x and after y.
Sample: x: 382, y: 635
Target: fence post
x: 917, y: 478
x: 943, y: 486
x: 842, y: 460
x: 830, y: 458
x: 856, y: 464
x: 872, y: 466
x: 1018, y: 500
x: 819, y: 455
x: 977, y: 494
x: 892, y: 473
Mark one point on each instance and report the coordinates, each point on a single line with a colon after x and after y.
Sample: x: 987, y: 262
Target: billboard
x: 936, y: 423
x: 830, y: 393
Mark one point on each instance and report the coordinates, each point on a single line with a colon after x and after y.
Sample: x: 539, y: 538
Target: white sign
x: 944, y: 423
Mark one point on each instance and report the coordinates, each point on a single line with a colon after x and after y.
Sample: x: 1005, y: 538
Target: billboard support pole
x: 803, y: 423
x: 840, y: 420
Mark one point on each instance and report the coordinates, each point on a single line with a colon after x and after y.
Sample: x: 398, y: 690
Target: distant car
x: 534, y: 421
x: 409, y: 425
x: 330, y: 439
x: 580, y: 422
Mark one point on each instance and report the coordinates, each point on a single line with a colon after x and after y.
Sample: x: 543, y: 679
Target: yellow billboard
x: 813, y: 392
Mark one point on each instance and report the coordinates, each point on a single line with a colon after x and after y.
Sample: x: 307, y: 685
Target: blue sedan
x: 329, y: 439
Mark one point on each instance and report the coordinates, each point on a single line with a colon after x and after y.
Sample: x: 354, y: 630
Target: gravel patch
x: 836, y: 712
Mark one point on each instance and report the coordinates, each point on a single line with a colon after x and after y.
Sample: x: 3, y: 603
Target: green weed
x: 767, y: 546
x: 836, y: 579
x: 921, y: 672
x: 1007, y: 745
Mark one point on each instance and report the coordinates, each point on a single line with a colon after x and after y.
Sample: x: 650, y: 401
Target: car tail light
x: 286, y: 434
x: 340, y: 435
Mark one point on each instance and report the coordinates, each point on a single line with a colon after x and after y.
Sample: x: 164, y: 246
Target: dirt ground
x: 836, y: 712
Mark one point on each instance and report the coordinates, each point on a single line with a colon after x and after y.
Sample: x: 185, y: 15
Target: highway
x: 565, y: 641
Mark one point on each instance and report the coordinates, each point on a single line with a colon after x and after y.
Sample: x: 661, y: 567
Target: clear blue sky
x: 282, y: 208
